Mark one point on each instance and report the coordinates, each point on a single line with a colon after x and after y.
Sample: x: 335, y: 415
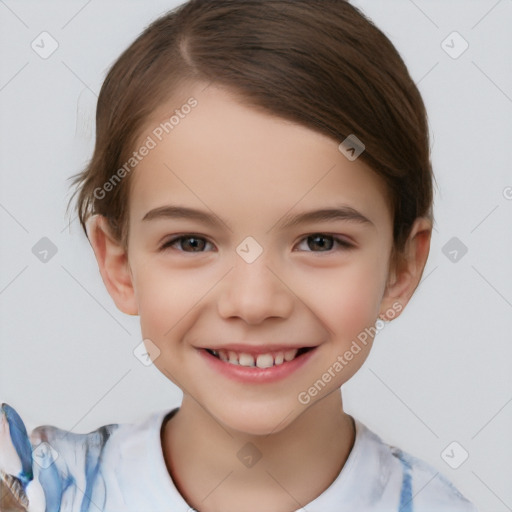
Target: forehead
x: 222, y: 152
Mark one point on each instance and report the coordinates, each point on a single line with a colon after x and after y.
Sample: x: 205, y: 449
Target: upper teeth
x: 260, y: 360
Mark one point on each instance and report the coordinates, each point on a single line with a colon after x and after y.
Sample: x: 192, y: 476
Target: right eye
x: 186, y: 243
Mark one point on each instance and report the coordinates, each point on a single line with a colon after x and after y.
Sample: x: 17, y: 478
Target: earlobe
x: 407, y: 269
x: 113, y: 264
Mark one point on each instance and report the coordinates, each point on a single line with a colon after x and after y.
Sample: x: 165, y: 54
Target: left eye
x: 324, y: 242
x: 194, y: 243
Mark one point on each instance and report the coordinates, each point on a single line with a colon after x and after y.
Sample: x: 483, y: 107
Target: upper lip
x: 257, y: 349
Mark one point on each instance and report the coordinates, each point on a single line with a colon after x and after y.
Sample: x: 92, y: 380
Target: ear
x: 406, y: 270
x: 113, y: 264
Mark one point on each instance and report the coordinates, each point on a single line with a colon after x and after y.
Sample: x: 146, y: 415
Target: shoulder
x: 58, y: 463
x: 418, y: 485
x: 52, y: 442
x: 76, y: 457
x: 430, y: 488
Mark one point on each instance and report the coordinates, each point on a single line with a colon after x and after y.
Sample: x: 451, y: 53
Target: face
x: 258, y: 255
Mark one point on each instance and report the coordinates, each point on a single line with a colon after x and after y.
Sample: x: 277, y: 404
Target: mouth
x: 263, y: 364
x: 259, y: 360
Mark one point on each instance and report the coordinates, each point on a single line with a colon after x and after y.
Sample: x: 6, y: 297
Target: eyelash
x: 344, y: 245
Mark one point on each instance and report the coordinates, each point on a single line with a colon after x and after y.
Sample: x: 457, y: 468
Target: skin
x: 250, y: 170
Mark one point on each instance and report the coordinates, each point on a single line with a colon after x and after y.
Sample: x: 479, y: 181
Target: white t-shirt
x: 121, y: 468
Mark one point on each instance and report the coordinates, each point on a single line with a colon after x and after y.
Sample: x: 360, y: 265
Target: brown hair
x: 320, y: 63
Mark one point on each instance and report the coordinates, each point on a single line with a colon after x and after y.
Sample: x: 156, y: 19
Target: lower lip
x: 253, y: 374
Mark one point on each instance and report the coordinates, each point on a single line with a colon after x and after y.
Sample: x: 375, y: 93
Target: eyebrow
x: 182, y: 212
x: 343, y: 213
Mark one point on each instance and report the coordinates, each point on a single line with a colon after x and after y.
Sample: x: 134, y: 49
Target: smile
x: 263, y: 360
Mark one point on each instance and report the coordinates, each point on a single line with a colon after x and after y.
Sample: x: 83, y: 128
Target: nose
x: 254, y: 292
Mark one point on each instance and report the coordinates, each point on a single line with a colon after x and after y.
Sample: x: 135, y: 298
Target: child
x: 253, y: 129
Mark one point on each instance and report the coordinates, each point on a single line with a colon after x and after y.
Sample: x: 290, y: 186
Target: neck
x: 217, y: 469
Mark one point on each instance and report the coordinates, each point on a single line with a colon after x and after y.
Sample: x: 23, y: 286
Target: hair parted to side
x: 320, y: 63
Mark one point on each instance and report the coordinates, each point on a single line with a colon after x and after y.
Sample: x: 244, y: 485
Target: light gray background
x: 440, y: 373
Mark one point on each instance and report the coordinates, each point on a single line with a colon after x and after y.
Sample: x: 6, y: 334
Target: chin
x: 257, y: 420
x: 256, y: 426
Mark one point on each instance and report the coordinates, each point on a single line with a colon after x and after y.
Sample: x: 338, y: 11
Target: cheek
x: 349, y: 300
x: 167, y: 299
x: 157, y: 305
x: 163, y: 308
x: 163, y: 298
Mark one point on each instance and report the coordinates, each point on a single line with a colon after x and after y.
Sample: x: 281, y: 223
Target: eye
x: 317, y: 242
x: 186, y: 243
x: 324, y: 243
